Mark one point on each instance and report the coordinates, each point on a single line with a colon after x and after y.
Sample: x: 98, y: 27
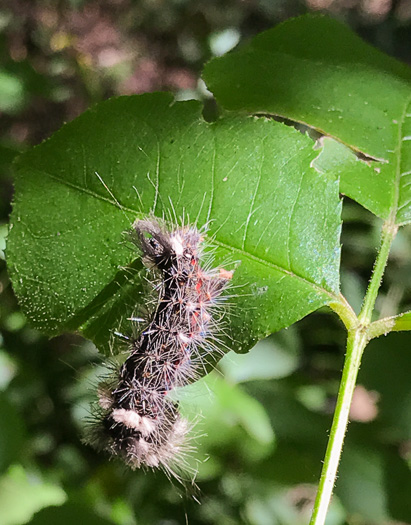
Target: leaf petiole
x: 396, y: 323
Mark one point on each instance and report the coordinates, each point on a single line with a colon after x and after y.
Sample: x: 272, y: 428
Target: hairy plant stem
x: 357, y: 340
x: 388, y: 234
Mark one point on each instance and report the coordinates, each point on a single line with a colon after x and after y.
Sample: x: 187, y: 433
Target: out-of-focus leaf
x: 7, y: 155
x: 23, y: 494
x: 273, y: 358
x: 397, y: 486
x: 361, y: 484
x: 386, y: 369
x: 301, y: 435
x: 7, y: 369
x: 243, y: 426
x: 12, y: 433
x: 12, y: 94
x: 287, y: 506
x: 68, y: 515
x: 3, y: 235
x: 19, y: 81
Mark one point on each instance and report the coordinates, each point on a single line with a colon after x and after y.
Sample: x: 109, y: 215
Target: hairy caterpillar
x: 137, y: 420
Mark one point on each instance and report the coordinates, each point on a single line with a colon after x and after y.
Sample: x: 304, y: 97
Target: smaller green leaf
x: 316, y: 71
x: 397, y: 323
x: 402, y: 322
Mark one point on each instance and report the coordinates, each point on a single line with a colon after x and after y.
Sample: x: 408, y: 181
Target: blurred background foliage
x: 263, y: 417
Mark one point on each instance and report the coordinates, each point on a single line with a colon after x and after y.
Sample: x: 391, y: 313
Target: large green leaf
x: 270, y: 213
x: 314, y: 70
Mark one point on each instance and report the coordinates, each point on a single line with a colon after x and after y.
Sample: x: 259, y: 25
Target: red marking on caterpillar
x: 137, y: 420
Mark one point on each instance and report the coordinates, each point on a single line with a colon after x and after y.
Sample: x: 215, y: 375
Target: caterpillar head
x: 154, y: 242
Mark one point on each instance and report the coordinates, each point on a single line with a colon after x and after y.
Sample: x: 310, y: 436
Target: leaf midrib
x: 333, y: 296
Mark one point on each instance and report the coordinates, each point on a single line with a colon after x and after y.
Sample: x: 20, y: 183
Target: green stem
x: 388, y: 233
x: 358, y: 338
x: 356, y: 343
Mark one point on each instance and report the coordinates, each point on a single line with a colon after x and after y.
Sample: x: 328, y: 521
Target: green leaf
x: 22, y: 495
x: 396, y: 323
x: 272, y: 214
x: 315, y: 71
x: 402, y: 322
